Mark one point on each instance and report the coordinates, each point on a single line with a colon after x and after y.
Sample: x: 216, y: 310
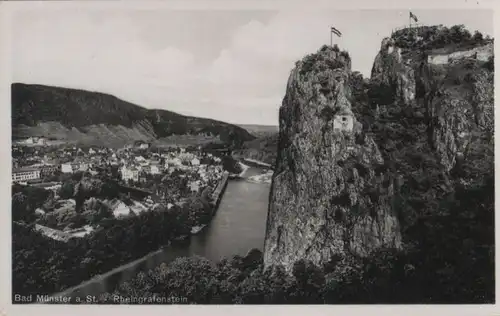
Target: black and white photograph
x: 293, y: 155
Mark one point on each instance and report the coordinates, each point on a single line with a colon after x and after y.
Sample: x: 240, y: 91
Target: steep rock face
x: 459, y: 104
x: 330, y: 195
x: 390, y: 72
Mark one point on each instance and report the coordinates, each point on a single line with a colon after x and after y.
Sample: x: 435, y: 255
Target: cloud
x: 75, y: 50
x: 89, y: 50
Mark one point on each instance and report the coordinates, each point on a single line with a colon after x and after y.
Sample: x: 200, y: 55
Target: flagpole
x: 331, y: 37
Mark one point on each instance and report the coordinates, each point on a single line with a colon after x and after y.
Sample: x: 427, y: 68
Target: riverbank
x: 266, y: 178
x: 219, y: 191
x: 240, y: 175
x: 104, y: 282
x: 215, y: 200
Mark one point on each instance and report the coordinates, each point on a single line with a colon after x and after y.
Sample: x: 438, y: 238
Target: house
x: 34, y: 141
x: 25, y: 174
x: 70, y: 167
x: 142, y: 176
x: 154, y: 168
x: 129, y: 173
x: 40, y: 141
x: 82, y: 166
x: 66, y: 168
x: 343, y: 120
x: 48, y: 169
x: 195, y: 162
x: 141, y: 144
x: 194, y: 186
x: 174, y: 162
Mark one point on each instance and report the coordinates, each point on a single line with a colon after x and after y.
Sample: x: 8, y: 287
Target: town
x: 134, y: 179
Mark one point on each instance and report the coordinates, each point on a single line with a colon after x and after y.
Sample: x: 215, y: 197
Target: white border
x: 6, y: 10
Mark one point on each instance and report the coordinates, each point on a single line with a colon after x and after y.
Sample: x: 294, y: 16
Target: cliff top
x: 433, y: 37
x: 327, y: 57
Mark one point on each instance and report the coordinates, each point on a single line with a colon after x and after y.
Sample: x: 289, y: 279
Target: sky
x: 227, y: 65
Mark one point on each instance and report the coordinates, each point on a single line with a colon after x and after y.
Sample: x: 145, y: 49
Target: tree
x: 478, y: 37
x: 20, y: 208
x: 67, y: 190
x: 191, y: 277
x: 230, y: 164
x: 458, y: 33
x: 309, y: 281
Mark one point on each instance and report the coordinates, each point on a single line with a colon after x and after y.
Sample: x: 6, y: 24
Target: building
x: 66, y: 168
x: 195, y: 162
x: 25, y: 174
x: 81, y: 166
x: 70, y: 167
x: 154, y: 168
x: 48, y: 170
x: 194, y: 186
x: 42, y: 141
x: 142, y: 145
x: 129, y: 173
x: 35, y: 141
x: 343, y: 121
x: 444, y: 56
x: 174, y: 162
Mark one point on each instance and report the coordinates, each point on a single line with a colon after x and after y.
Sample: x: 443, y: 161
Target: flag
x: 336, y: 32
x: 413, y: 16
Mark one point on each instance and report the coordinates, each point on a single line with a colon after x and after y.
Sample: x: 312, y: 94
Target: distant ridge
x: 99, y: 118
x: 260, y: 130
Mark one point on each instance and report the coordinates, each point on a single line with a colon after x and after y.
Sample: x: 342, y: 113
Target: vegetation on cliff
x: 440, y: 148
x: 452, y: 38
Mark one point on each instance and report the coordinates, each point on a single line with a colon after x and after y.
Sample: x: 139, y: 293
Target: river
x: 238, y: 225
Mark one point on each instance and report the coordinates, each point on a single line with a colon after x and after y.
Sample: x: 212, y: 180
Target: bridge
x: 256, y: 163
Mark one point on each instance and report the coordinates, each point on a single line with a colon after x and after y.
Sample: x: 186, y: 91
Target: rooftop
x: 25, y: 169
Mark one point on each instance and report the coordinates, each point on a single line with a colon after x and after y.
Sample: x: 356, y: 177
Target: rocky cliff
x: 361, y: 164
x: 330, y: 194
x: 390, y: 72
x: 459, y: 107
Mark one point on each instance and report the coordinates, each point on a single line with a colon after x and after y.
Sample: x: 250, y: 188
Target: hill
x: 98, y: 118
x: 264, y: 148
x: 260, y: 130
